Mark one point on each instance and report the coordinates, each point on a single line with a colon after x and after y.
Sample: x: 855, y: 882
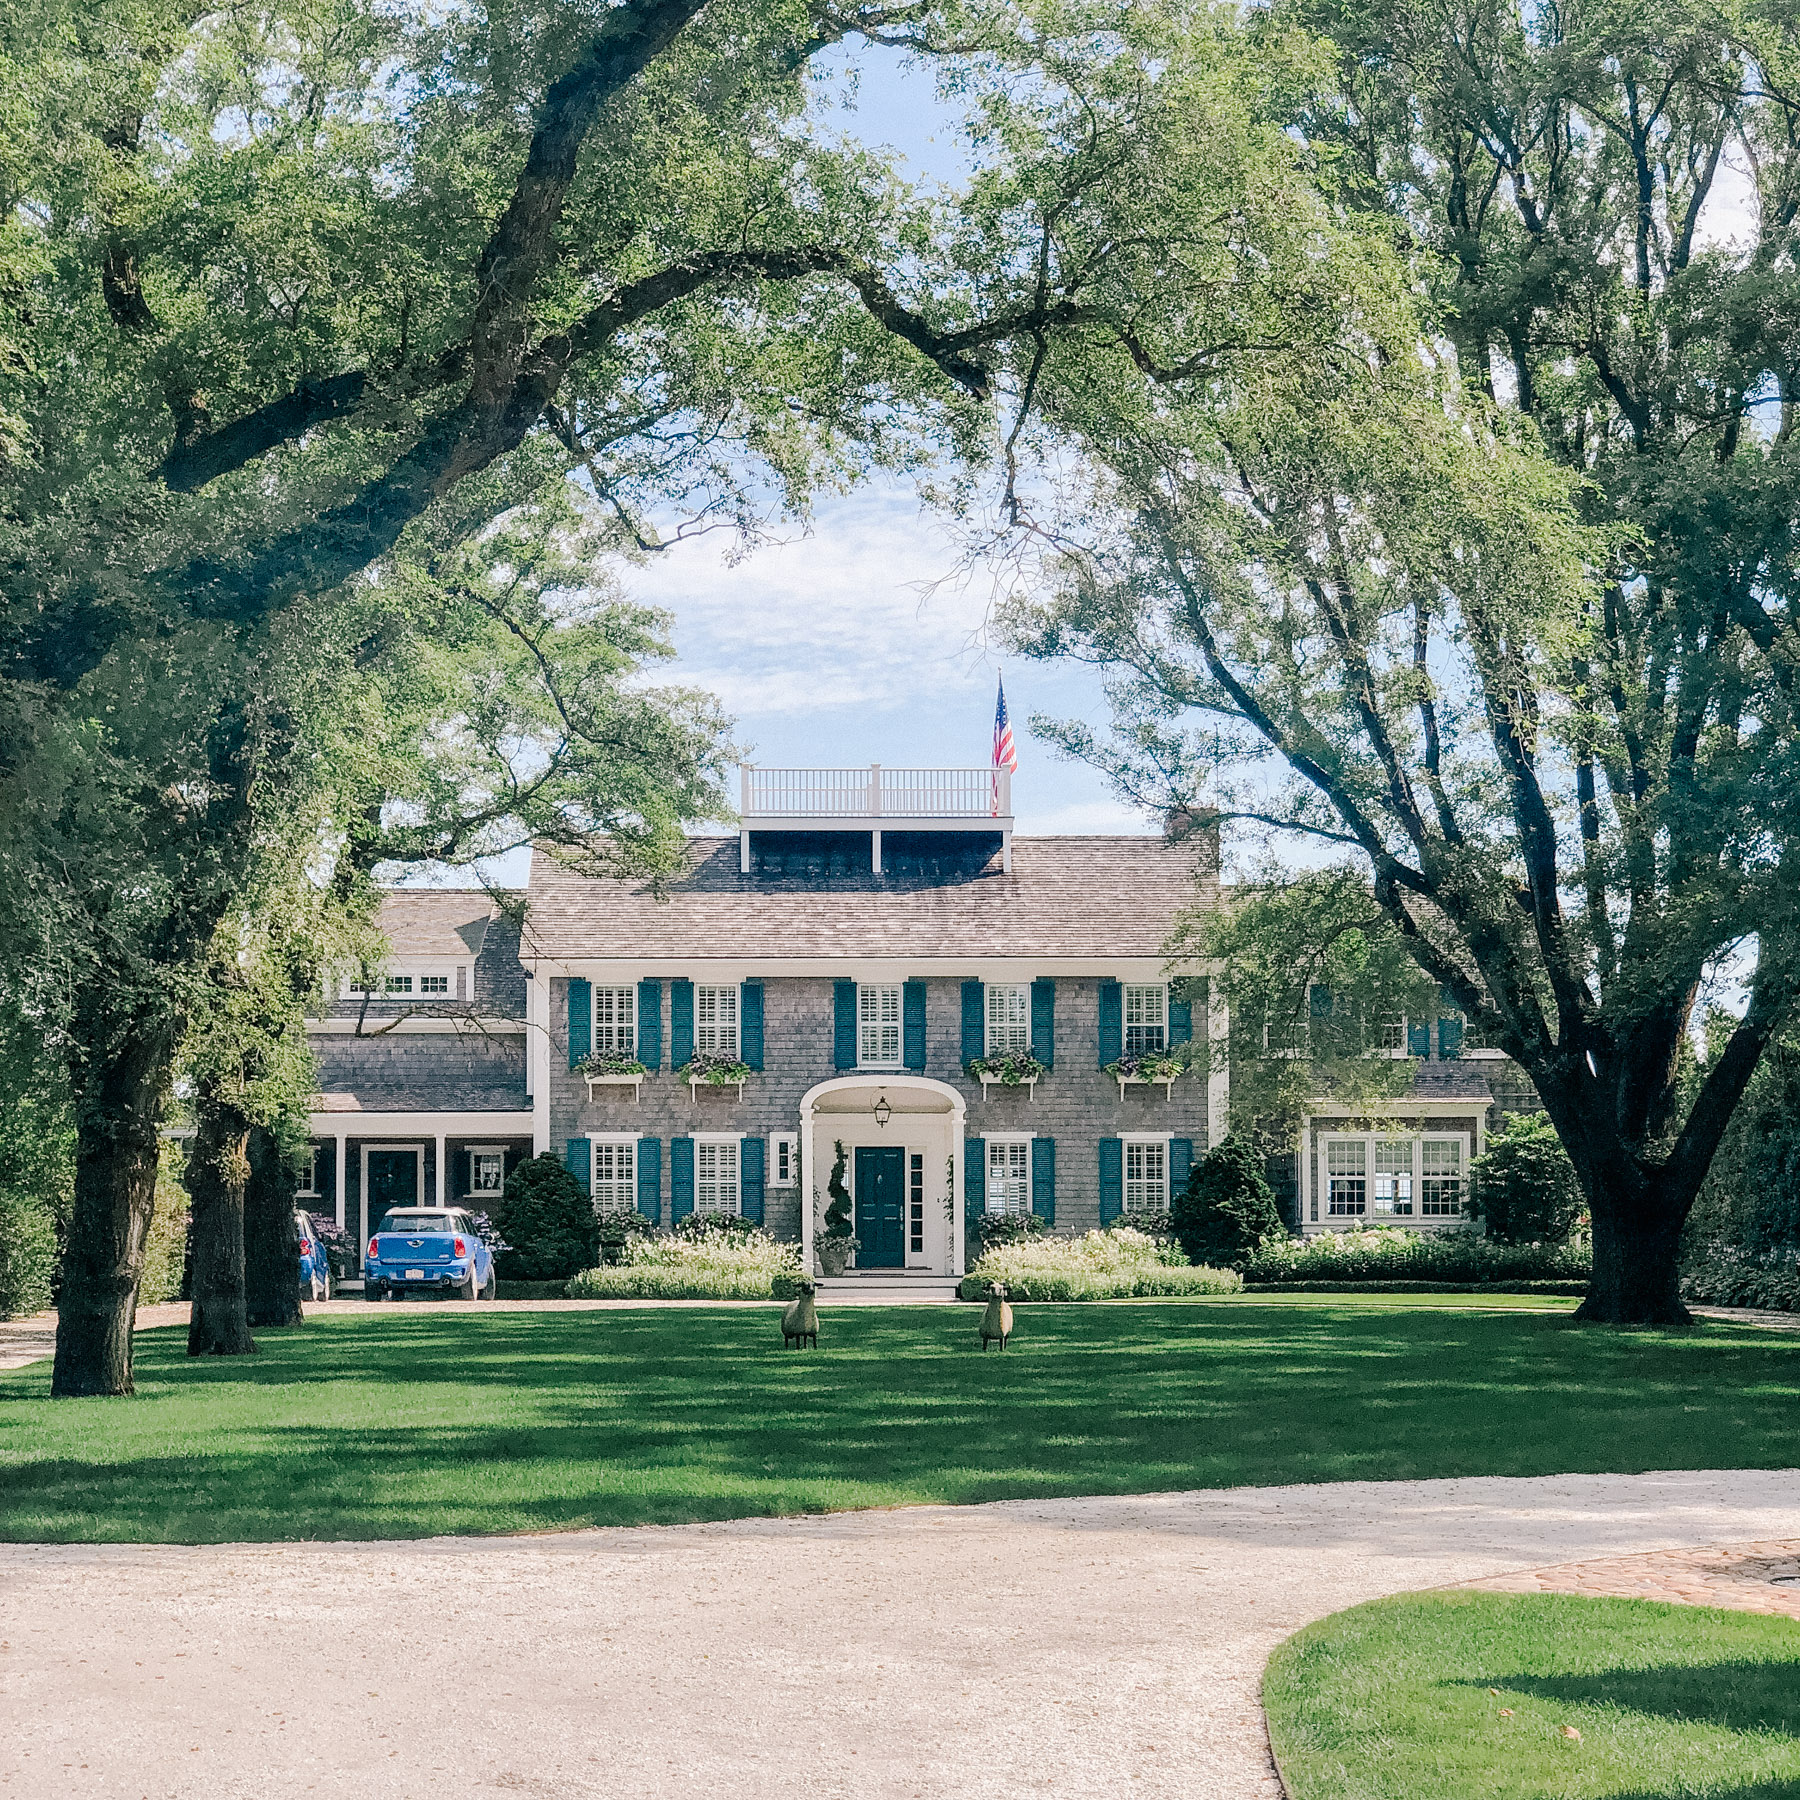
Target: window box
x: 1008, y: 1070
x: 716, y: 1071
x: 1151, y: 1069
x: 610, y: 1069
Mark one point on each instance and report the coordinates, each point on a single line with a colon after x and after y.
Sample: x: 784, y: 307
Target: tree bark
x: 1637, y: 1252
x: 217, y: 1174
x: 118, y: 1113
x: 271, y: 1244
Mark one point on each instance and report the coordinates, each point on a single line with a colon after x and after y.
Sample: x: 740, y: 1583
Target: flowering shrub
x: 996, y: 1229
x: 1148, y: 1065
x: 715, y: 1070
x: 715, y: 1225
x: 1391, y: 1254
x: 1118, y: 1264
x: 1012, y: 1070
x: 1723, y: 1274
x: 709, y: 1264
x: 618, y: 1229
x: 610, y: 1062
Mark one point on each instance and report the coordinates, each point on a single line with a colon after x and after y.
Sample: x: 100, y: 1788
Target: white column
x: 1218, y: 1075
x: 537, y: 1054
x: 440, y: 1185
x: 957, y: 1220
x: 875, y: 851
x: 342, y: 1215
x: 744, y: 850
x: 806, y: 1191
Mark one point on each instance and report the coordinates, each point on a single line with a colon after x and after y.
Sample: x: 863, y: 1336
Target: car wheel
x: 470, y: 1289
x: 488, y: 1292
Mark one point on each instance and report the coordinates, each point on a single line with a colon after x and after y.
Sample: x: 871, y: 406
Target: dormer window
x: 400, y: 984
x: 1146, y: 1019
x: 877, y: 1026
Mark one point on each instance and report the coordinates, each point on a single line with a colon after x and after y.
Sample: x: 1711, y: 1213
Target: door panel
x: 393, y: 1181
x: 880, y: 1208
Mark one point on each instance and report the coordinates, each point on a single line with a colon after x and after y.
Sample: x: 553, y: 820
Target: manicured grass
x: 397, y: 1422
x: 1391, y: 1701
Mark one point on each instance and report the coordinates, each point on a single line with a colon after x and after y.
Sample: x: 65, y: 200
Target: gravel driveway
x: 1071, y: 1648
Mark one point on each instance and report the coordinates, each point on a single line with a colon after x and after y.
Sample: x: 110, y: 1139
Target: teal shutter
x: 581, y: 1020
x: 1181, y: 1019
x: 974, y: 1021
x: 681, y: 1178
x: 1418, y: 1038
x: 1043, y: 1022
x: 1112, y: 1179
x: 1043, y: 1178
x: 649, y: 1167
x: 750, y: 1178
x: 1181, y: 1165
x: 1450, y: 1030
x: 580, y: 1158
x: 1112, y: 1021
x: 750, y: 1023
x: 649, y: 1024
x: 843, y: 1034
x: 681, y: 1023
x: 974, y: 1179
x: 912, y: 1024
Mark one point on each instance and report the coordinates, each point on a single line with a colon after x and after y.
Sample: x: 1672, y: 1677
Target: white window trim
x: 772, y: 1177
x: 720, y: 1137
x: 735, y: 990
x: 1417, y: 1133
x: 595, y: 990
x: 1005, y: 1137
x: 1126, y: 1140
x: 311, y: 1190
x: 471, y: 1151
x: 633, y: 1138
x: 899, y: 1062
x: 415, y: 968
x: 1125, y: 988
x: 988, y: 989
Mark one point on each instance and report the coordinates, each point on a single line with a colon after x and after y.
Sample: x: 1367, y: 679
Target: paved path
x: 1071, y: 1649
x: 1760, y: 1578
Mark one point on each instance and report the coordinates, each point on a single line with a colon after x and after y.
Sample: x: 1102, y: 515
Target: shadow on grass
x: 365, y: 1427
x: 1736, y: 1694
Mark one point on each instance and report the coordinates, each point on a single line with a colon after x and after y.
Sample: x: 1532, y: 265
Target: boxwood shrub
x: 1121, y: 1264
x: 1393, y: 1255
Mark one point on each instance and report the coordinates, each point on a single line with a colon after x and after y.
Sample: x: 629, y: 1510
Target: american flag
x: 1005, y: 755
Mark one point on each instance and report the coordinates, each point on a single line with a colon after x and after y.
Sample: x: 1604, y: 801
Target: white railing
x: 874, y: 793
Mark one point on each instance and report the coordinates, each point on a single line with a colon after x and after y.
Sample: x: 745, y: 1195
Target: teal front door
x: 393, y: 1181
x: 880, y: 1208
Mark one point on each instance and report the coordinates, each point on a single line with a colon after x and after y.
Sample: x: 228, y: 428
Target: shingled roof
x: 1098, y: 897
x: 436, y: 921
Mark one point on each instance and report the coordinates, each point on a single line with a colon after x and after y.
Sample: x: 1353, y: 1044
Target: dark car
x: 428, y: 1249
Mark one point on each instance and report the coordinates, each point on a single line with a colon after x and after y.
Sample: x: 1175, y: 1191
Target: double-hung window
x: 615, y: 1175
x: 1146, y: 1020
x: 716, y: 1175
x: 487, y: 1173
x: 1146, y: 1175
x: 1394, y: 1176
x: 1008, y: 1019
x: 877, y: 1026
x: 716, y: 1021
x: 615, y: 1021
x: 1441, y: 1177
x: 1347, y: 1177
x: 1009, y: 1175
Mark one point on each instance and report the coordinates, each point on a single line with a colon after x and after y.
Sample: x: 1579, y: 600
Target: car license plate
x: 415, y: 1274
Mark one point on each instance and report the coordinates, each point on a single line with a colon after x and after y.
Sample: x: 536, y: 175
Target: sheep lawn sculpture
x: 997, y: 1321
x: 800, y: 1321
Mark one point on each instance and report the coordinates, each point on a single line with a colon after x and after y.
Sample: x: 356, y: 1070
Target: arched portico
x: 924, y: 1119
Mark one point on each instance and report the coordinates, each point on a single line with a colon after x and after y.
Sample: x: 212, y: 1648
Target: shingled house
x: 862, y: 940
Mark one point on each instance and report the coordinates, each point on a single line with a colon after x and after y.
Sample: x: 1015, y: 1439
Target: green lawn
x: 1392, y: 1701
x: 403, y: 1421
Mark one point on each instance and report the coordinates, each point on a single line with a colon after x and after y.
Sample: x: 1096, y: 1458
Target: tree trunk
x: 117, y: 1116
x: 271, y: 1244
x: 217, y: 1173
x: 1637, y: 1253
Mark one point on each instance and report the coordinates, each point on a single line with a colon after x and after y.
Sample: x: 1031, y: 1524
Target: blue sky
x: 841, y: 643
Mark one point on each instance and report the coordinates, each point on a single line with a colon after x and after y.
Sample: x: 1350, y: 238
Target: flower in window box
x: 1013, y: 1069
x: 610, y: 1062
x: 1149, y: 1065
x: 716, y: 1070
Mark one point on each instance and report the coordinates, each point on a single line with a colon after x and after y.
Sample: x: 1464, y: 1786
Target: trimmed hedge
x: 1720, y: 1274
x: 1571, y: 1289
x: 1121, y: 1264
x: 530, y: 1290
x: 1393, y: 1255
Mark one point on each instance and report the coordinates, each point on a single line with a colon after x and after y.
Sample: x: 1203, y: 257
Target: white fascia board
x: 614, y: 1137
x: 1145, y: 970
x: 380, y: 1028
x: 412, y: 1124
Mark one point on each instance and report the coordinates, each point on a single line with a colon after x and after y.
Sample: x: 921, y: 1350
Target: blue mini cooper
x: 431, y: 1249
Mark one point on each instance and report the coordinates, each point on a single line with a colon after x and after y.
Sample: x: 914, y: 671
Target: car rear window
x: 416, y: 1222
